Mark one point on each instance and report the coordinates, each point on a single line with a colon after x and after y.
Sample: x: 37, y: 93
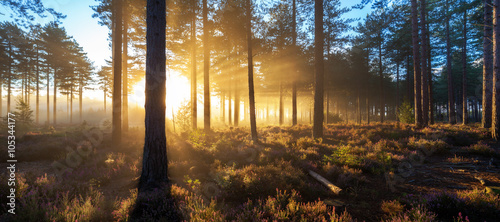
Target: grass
x: 225, y: 176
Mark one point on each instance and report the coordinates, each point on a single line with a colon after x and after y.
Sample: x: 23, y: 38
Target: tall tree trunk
x: 37, y: 108
x: 80, y: 100
x: 416, y: 64
x: 206, y: 67
x: 367, y: 110
x: 230, y: 108
x: 424, y: 75
x: 381, y: 79
x: 319, y: 68
x: 236, y: 106
x: 54, y: 106
x: 48, y: 97
x: 223, y: 106
x: 9, y: 78
x: 495, y: 130
x: 397, y: 90
x: 409, y: 94
x: 327, y: 100
x: 154, y: 161
x: 294, y: 43
x: 71, y: 106
x: 429, y: 77
x: 194, y: 98
x: 125, y: 123
x: 105, y: 91
x: 452, y: 116
x: 465, y: 113
x: 281, y: 109
x: 253, y: 122
x: 358, y: 105
x: 488, y: 63
x: 1, y: 97
x: 117, y: 72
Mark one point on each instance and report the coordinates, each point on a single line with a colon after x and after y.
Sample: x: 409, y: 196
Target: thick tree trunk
x: 117, y: 72
x: 294, y: 84
x: 416, y: 64
x: 495, y: 130
x: 206, y: 68
x: 1, y: 97
x: 424, y: 75
x: 452, y: 116
x: 154, y: 162
x: 253, y: 122
x: 487, y: 64
x: 125, y: 125
x: 465, y: 113
x: 194, y: 98
x: 319, y: 69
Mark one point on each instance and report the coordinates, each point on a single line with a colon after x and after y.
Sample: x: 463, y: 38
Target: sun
x: 178, y: 92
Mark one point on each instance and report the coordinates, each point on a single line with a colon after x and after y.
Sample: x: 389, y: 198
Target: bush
x: 405, y: 113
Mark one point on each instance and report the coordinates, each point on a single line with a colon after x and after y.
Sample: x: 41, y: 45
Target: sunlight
x: 178, y: 92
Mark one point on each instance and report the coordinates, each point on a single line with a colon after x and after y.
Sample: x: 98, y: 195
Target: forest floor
x: 387, y: 172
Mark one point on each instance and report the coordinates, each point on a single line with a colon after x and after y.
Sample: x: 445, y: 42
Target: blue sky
x: 93, y: 37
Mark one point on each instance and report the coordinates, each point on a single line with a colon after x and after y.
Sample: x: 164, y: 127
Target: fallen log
x: 325, y: 182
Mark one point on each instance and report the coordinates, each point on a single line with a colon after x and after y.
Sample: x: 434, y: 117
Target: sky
x: 93, y: 37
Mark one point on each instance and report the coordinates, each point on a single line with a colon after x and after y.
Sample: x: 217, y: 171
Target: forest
x: 250, y: 110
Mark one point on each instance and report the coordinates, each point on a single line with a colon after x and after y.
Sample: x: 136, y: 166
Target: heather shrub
x: 415, y: 214
x: 286, y: 206
x: 259, y: 181
x: 475, y: 204
x: 480, y: 148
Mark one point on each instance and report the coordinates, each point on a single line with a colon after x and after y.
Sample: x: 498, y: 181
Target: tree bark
x: 236, y: 106
x: 48, y: 97
x: 416, y: 65
x: 381, y: 79
x: 80, y: 101
x: 487, y: 64
x: 452, y: 116
x: 54, y: 109
x: 465, y: 112
x: 117, y: 72
x: 194, y: 98
x: 424, y: 75
x: 319, y: 68
x: 206, y: 68
x: 496, y: 72
x: 37, y: 115
x: 281, y: 109
x: 253, y: 123
x: 154, y: 163
x: 294, y: 43
x: 125, y: 123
